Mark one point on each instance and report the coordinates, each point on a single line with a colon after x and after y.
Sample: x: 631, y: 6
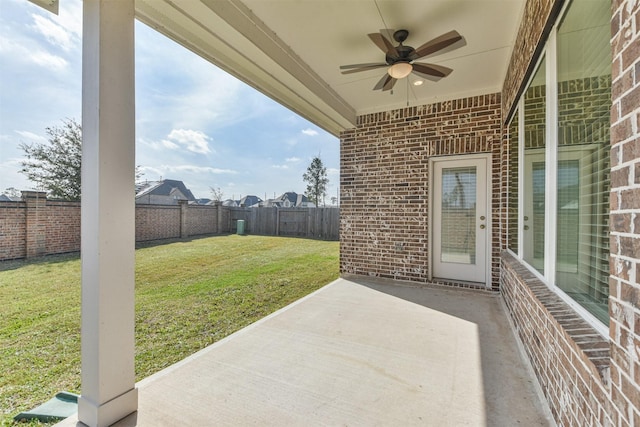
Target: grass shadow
x: 14, y: 264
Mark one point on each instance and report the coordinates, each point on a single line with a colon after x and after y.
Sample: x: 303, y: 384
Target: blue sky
x: 194, y: 122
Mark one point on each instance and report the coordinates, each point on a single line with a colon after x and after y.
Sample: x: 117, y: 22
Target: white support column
x: 108, y: 213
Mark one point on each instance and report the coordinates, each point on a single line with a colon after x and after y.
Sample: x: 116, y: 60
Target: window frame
x: 548, y: 53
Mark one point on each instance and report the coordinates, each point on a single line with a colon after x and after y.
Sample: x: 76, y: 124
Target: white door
x: 460, y: 219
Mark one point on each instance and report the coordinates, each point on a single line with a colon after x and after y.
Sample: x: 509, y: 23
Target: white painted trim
x: 108, y: 213
x: 486, y: 157
x: 551, y: 160
x: 520, y: 177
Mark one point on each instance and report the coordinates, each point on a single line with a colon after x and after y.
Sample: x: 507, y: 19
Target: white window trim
x: 551, y: 157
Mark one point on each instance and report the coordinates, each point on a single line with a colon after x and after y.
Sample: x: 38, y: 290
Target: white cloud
x: 48, y: 60
x: 310, y: 132
x: 32, y: 136
x: 200, y: 169
x: 163, y: 169
x: 53, y: 33
x: 17, y: 52
x: 280, y: 166
x: 292, y: 159
x: 168, y: 144
x: 193, y: 140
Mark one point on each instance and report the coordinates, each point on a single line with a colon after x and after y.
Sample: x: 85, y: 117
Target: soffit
x: 291, y: 50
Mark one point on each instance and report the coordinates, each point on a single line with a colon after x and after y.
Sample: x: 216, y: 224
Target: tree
x: 216, y: 194
x: 12, y: 192
x: 316, y: 179
x: 55, y: 166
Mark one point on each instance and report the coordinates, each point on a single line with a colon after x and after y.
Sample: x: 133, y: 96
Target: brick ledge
x: 585, y: 338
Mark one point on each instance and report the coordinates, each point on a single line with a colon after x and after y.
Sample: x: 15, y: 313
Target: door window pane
x: 458, y: 215
x: 584, y: 102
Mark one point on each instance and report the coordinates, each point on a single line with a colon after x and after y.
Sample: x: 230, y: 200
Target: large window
x: 535, y: 108
x: 564, y: 171
x: 584, y: 103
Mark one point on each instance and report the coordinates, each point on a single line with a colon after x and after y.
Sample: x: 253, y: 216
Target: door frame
x: 489, y: 186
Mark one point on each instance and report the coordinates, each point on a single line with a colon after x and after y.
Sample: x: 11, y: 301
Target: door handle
x: 481, y: 226
x: 482, y: 218
x: 526, y: 227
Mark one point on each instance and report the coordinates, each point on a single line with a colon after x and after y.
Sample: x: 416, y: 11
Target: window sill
x: 591, y: 347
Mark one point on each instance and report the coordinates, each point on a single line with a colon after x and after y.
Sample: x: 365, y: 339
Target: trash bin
x: 240, y: 226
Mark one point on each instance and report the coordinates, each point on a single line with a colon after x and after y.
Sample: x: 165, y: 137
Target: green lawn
x: 189, y: 294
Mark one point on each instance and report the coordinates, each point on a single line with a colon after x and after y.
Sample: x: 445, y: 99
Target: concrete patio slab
x: 356, y: 352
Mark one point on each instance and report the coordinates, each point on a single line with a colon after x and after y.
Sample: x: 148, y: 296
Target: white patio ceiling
x: 291, y: 50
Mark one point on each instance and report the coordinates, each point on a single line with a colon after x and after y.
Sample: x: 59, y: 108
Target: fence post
x: 183, y: 218
x: 36, y: 227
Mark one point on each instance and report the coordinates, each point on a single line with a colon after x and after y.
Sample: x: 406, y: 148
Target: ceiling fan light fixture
x: 400, y: 70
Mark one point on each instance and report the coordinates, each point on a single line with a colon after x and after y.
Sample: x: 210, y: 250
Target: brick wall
x: 62, y: 227
x: 536, y: 20
x: 201, y: 221
x: 37, y: 226
x: 13, y: 228
x: 155, y: 222
x: 589, y: 379
x: 569, y: 357
x: 385, y: 182
x: 624, y: 305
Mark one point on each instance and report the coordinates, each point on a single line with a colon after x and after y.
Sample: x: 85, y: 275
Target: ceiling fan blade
x: 371, y: 64
x: 389, y: 84
x: 357, y: 70
x: 446, y: 40
x: 431, y: 70
x: 382, y: 82
x: 385, y: 83
x: 384, y: 44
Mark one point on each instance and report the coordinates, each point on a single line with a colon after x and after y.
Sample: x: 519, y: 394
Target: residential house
x: 248, y: 201
x: 6, y: 198
x: 230, y: 203
x: 164, y: 192
x: 537, y: 115
x: 289, y: 199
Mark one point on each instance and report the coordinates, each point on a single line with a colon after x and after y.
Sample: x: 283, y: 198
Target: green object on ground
x: 240, y: 226
x: 63, y: 405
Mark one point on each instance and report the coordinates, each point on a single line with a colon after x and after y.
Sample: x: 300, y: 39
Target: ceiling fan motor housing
x: 405, y: 54
x: 400, y: 35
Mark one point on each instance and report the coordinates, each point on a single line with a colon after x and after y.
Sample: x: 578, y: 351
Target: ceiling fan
x: 400, y: 60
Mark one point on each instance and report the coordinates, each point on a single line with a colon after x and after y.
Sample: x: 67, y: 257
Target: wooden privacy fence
x: 317, y: 223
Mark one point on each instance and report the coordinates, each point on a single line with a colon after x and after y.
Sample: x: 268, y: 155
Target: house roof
x: 247, y: 201
x: 292, y: 51
x: 294, y: 198
x: 165, y: 188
